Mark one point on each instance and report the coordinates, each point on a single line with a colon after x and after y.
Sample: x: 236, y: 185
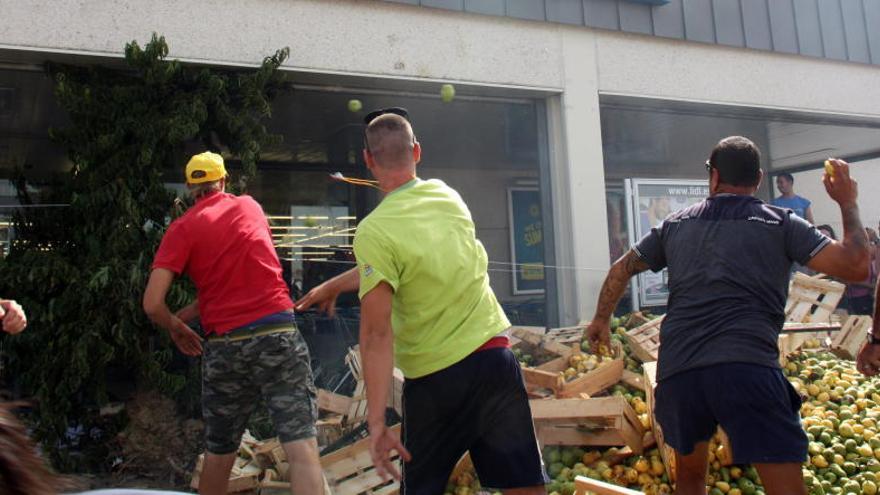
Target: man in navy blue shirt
x: 729, y: 260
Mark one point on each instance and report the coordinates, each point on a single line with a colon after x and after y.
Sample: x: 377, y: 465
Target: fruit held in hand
x: 829, y: 169
x: 447, y: 93
x: 355, y: 105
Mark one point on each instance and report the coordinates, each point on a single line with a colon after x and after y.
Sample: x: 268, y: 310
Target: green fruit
x: 554, y: 469
x: 447, y: 93
x: 746, y: 486
x: 355, y: 105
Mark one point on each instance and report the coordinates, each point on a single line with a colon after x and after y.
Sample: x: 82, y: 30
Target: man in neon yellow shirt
x: 425, y: 298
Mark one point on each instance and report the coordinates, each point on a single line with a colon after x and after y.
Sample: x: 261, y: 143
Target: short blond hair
x: 390, y: 140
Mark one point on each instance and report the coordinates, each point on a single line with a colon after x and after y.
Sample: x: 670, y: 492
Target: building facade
x: 566, y: 113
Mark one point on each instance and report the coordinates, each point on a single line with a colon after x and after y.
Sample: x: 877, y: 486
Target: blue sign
x: 526, y: 239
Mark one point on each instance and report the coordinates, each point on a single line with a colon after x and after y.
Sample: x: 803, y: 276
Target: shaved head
x: 390, y: 140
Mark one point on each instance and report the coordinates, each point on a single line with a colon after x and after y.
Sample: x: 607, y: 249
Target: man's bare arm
x: 598, y: 331
x: 324, y: 296
x: 849, y: 258
x: 629, y: 265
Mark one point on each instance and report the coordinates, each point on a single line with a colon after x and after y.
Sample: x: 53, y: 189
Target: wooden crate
x: 332, y: 402
x: 549, y: 374
x: 566, y: 335
x: 603, y: 421
x: 812, y: 299
x: 584, y: 486
x: 644, y: 340
x: 355, y: 410
x: 849, y: 339
x: 350, y: 471
x: 330, y: 429
x: 794, y: 335
x: 666, y: 452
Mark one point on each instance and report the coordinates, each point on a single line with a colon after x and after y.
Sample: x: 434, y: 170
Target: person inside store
x: 729, y: 259
x: 253, y: 348
x: 788, y: 199
x: 426, y: 306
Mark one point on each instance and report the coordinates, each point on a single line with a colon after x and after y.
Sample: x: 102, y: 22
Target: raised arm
x: 847, y: 259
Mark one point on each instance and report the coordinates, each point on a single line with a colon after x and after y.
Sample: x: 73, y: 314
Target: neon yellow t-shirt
x: 421, y: 241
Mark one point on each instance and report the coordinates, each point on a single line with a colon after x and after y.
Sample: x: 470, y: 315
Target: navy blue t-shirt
x: 729, y: 260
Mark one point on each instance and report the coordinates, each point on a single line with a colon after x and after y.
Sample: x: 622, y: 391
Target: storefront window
x: 487, y: 150
x: 655, y: 152
x: 27, y: 111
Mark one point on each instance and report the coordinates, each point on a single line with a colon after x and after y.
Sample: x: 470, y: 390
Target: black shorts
x: 479, y: 405
x: 756, y: 406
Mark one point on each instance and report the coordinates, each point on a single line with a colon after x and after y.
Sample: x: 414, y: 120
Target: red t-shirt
x: 224, y: 245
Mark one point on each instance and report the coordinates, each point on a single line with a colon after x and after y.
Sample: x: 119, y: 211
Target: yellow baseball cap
x: 205, y: 167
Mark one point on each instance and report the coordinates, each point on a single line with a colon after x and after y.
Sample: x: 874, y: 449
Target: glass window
x: 655, y: 140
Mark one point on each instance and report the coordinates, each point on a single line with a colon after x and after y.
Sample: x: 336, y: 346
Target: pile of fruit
x: 841, y: 414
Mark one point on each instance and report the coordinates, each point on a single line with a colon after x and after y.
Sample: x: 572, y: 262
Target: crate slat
x: 849, y: 339
x: 603, y: 421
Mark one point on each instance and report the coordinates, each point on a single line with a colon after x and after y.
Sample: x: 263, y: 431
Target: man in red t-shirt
x: 253, y: 347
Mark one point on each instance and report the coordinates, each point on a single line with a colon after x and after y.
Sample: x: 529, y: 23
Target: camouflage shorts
x: 236, y: 374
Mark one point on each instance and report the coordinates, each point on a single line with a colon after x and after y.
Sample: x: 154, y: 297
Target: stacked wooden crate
x: 566, y: 412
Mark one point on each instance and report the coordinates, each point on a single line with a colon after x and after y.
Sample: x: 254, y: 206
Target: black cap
x: 382, y: 111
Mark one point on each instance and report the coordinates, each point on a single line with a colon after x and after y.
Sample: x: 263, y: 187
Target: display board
x: 651, y: 201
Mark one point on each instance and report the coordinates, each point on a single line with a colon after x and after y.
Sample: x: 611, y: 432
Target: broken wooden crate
x: 812, y: 299
x: 849, y: 339
x: 644, y: 340
x: 601, y: 421
x: 350, y: 471
x: 550, y: 374
x: 724, y: 454
x: 260, y: 467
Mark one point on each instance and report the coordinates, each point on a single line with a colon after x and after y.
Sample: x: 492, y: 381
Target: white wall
x: 636, y: 65
x: 354, y: 37
x: 867, y: 173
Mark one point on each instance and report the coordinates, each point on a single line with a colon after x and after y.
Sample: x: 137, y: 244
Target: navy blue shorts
x: 756, y: 406
x: 479, y: 405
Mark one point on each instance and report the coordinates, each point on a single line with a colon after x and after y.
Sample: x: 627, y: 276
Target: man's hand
x: 842, y: 188
x: 598, y: 333
x: 868, y: 360
x: 382, y: 442
x: 324, y: 296
x: 186, y: 339
x: 14, y: 319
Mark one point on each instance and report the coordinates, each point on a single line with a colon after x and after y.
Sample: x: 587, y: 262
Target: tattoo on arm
x: 614, y: 286
x: 853, y: 233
